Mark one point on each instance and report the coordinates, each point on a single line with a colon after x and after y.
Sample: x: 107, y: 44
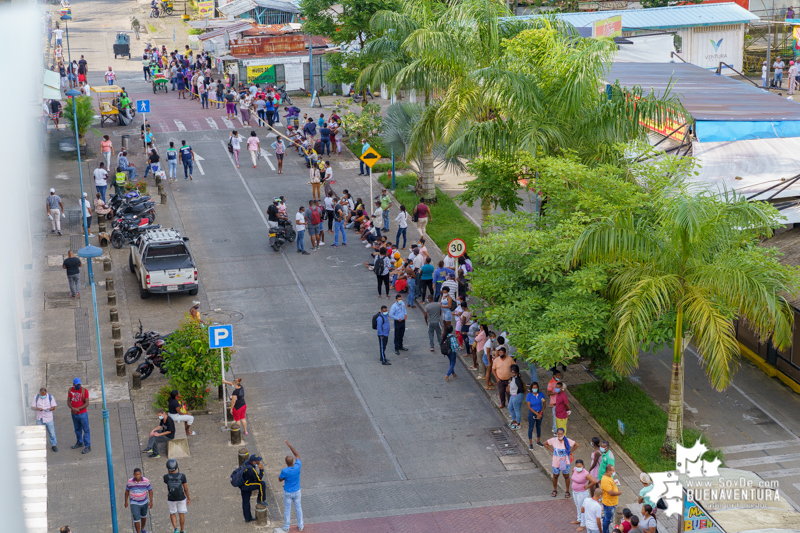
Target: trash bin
x: 125, y: 140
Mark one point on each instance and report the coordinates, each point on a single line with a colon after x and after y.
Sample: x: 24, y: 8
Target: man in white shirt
x: 300, y: 220
x: 449, y: 262
x: 792, y: 73
x: 377, y: 217
x: 87, y: 212
x: 778, y: 66
x: 101, y: 180
x: 44, y: 404
x: 593, y: 513
x: 59, y: 33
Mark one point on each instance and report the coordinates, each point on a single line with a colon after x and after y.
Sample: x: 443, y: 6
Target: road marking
x: 328, y: 338
x: 180, y: 125
x: 757, y: 446
x: 195, y: 125
x: 767, y: 459
x: 239, y: 118
x: 197, y: 160
x: 212, y: 123
x: 689, y: 408
x: 228, y: 122
x: 777, y: 473
x: 265, y: 155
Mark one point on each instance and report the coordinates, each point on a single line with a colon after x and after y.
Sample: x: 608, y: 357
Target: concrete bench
x: 179, y: 446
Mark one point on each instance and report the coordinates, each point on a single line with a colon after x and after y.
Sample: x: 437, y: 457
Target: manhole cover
x: 220, y: 240
x: 502, y: 442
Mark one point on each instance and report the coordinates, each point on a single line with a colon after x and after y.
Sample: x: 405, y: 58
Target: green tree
x: 700, y: 261
x: 85, y: 115
x: 346, y: 24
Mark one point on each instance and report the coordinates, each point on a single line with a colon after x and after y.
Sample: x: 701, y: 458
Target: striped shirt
x: 138, y: 490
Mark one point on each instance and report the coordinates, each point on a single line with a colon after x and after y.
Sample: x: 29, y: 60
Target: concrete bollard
x: 113, y: 314
x: 243, y: 455
x: 109, y: 283
x: 136, y: 382
x: 101, y: 219
x: 101, y: 226
x: 120, y: 367
x: 236, y: 434
x: 262, y: 517
x: 116, y: 332
x: 163, y: 197
x: 107, y: 265
x: 112, y: 298
x: 118, y: 350
x: 158, y: 179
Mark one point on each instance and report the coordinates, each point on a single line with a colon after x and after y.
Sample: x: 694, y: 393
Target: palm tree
x: 699, y: 263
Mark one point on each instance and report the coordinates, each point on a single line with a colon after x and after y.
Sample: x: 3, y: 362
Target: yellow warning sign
x: 370, y: 157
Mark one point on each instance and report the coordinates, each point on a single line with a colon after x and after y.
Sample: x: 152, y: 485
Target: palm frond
x: 621, y: 239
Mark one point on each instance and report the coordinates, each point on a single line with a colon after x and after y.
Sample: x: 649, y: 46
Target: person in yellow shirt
x: 611, y: 492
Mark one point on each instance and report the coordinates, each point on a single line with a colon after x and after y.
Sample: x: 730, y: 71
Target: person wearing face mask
x: 595, y: 460
x: 581, y: 481
x: 44, y: 404
x: 552, y: 394
x: 562, y: 406
x: 536, y: 401
x: 606, y: 459
x: 562, y: 449
x: 164, y: 432
x: 381, y: 323
x: 516, y: 389
x: 78, y: 402
x: 611, y: 492
x: 592, y: 511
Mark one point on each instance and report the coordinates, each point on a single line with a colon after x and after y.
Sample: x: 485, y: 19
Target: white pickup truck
x: 162, y: 262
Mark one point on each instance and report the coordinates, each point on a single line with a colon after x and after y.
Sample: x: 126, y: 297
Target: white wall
x: 293, y: 69
x: 699, y: 46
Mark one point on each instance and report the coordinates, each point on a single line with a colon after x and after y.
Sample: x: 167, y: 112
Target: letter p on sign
x: 220, y: 336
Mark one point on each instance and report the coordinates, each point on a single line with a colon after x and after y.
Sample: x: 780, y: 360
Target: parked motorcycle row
x: 134, y: 214
x: 151, y: 344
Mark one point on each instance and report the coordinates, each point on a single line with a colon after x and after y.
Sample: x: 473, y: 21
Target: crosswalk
x: 164, y: 125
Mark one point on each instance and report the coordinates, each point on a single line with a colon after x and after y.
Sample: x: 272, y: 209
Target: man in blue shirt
x: 187, y: 160
x: 398, y: 314
x: 291, y: 489
x: 383, y: 333
x: 439, y: 275
x: 125, y: 166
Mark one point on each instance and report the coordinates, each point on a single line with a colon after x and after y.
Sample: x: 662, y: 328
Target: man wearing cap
x: 253, y: 481
x: 778, y: 66
x: 386, y: 203
x: 54, y: 208
x: 87, y: 212
x: 78, y: 402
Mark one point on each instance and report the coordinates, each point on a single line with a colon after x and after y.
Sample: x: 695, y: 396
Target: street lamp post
x: 67, y: 17
x: 90, y: 252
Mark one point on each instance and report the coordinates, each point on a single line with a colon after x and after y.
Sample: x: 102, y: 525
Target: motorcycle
x: 358, y: 96
x: 284, y: 232
x: 284, y: 95
x: 154, y: 358
x: 141, y: 210
x: 127, y: 230
x: 154, y: 11
x: 131, y: 198
x: 143, y: 342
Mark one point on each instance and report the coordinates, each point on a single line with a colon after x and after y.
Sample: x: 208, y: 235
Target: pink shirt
x: 252, y: 143
x: 579, y: 480
x: 45, y: 403
x: 105, y: 146
x: 560, y: 450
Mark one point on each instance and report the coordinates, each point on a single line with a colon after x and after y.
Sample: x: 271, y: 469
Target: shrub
x: 377, y: 168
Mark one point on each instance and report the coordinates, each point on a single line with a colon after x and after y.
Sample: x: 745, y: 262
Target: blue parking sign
x: 143, y: 106
x: 220, y: 336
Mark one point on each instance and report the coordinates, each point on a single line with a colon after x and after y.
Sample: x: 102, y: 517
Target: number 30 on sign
x: 456, y: 248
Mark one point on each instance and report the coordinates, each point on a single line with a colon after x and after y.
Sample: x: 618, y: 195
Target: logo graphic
x: 716, y: 45
x: 667, y: 486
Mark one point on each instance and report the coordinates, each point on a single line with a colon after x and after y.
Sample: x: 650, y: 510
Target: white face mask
x: 579, y: 469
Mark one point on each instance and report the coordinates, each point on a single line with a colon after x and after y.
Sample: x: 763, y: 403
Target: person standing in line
x: 412, y: 285
x: 235, y: 142
x: 402, y: 226
x: 164, y: 432
x: 606, y: 458
x: 44, y: 404
x: 426, y: 279
x: 310, y: 130
x: 146, y: 66
x: 338, y: 223
x: 321, y: 235
x: 187, y: 160
x: 280, y: 151
x: 325, y: 138
x: 611, y: 492
x: 139, y: 494
x: 178, y: 498
x: 382, y: 324
x: 447, y: 304
x: 54, y: 208
x: 516, y: 390
x: 501, y: 368
x: 181, y: 83
x: 327, y: 178
x: 594, y: 460
x: 561, y: 448
x: 101, y: 179
x: 551, y: 385
x: 592, y: 512
x: 644, y: 493
x: 581, y: 481
x: 78, y: 402
x: 377, y: 215
x: 254, y: 147
x: 87, y: 212
x: 536, y: 402
x: 382, y: 268
x: 72, y: 265
x: 330, y: 204
x: 364, y: 148
x: 203, y: 91
x: 313, y: 219
x: 316, y: 182
x: 452, y: 353
x: 253, y: 481
x: 172, y: 161
x: 230, y: 104
x: 399, y: 314
x: 291, y: 489
x: 300, y: 221
x: 386, y: 204
x: 562, y: 406
x: 777, y: 66
x: 433, y: 312
x: 648, y: 521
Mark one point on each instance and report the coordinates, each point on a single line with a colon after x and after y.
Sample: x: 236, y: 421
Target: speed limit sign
x: 456, y: 248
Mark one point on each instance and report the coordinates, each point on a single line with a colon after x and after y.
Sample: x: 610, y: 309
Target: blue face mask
x: 385, y: 313
x: 557, y: 389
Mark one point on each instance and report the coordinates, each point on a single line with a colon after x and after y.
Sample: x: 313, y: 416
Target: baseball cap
x: 76, y: 381
x: 52, y: 190
x: 84, y: 195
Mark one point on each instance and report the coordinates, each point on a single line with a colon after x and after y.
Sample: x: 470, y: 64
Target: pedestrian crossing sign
x: 370, y: 157
x: 143, y: 106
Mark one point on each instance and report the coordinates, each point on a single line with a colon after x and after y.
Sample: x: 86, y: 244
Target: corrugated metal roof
x: 269, y: 29
x: 664, y: 17
x: 232, y: 30
x: 237, y: 7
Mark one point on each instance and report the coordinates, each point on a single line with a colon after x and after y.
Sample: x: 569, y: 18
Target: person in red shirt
x: 551, y: 385
x: 78, y: 402
x: 562, y: 406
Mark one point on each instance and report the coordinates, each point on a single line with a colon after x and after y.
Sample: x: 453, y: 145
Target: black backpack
x: 175, y: 487
x: 237, y: 476
x: 445, y: 345
x: 375, y: 320
x: 380, y: 266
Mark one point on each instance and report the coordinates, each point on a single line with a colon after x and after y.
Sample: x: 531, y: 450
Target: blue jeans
x: 288, y: 499
x: 51, y: 430
x: 554, y: 419
x: 363, y: 166
x: 326, y: 144
x: 81, y: 425
x: 337, y: 227
x: 102, y: 190
x: 173, y: 167
x: 778, y: 78
x: 386, y: 220
x: 174, y: 83
x: 301, y: 246
x: 452, y: 357
x: 608, y: 516
x: 188, y: 167
x: 131, y: 172
x: 534, y: 422
x: 515, y: 407
x: 110, y: 82
x: 412, y: 287
x: 397, y: 239
x: 204, y: 100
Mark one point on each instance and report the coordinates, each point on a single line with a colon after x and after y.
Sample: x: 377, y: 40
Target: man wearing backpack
x: 44, y: 404
x: 381, y: 323
x: 382, y: 266
x: 252, y: 481
x: 177, y: 494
